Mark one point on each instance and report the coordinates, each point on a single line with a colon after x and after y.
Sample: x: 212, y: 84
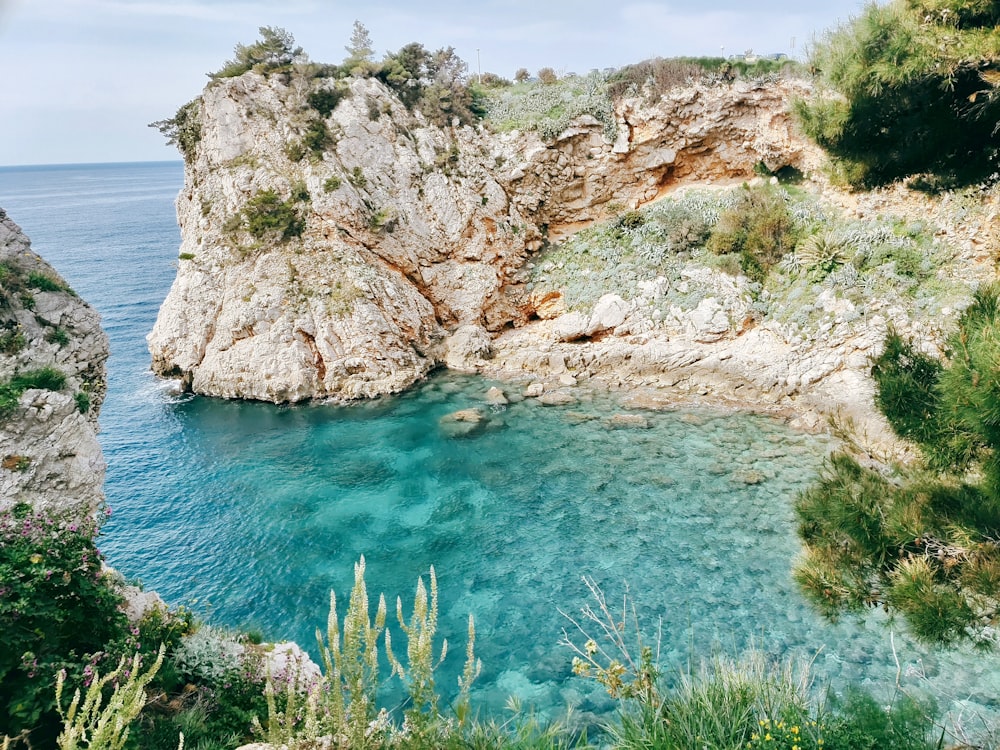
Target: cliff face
x: 49, y: 454
x: 404, y: 245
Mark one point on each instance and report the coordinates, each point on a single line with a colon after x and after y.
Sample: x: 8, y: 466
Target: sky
x: 81, y: 79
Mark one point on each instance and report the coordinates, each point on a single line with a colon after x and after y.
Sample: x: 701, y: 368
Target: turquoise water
x: 251, y: 513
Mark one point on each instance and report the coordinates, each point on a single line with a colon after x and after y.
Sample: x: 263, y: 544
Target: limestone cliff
x: 346, y: 254
x: 49, y: 454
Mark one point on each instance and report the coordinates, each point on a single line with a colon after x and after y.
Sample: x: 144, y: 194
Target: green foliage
x: 860, y: 723
x: 185, y: 256
x: 266, y: 215
x: 342, y: 701
x: 316, y: 139
x: 58, y: 336
x: 46, y: 378
x: 759, y: 229
x: 549, y: 108
x: 97, y: 725
x: 360, y: 52
x: 918, y: 81
x: 654, y: 77
x: 183, y: 129
x: 12, y: 340
x: 274, y: 51
x: 749, y: 703
x: 58, y: 610
x: 325, y: 100
x: 357, y: 178
x: 433, y: 82
x: 82, y: 399
x: 332, y: 184
x: 44, y: 282
x: 925, y: 547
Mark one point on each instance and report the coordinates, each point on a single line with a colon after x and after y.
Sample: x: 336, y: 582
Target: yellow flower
x: 591, y: 646
x: 35, y: 558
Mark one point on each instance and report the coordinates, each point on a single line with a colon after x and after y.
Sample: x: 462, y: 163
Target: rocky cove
x: 377, y: 291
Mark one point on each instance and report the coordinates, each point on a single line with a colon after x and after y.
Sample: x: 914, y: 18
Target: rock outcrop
x: 49, y: 454
x: 404, y: 244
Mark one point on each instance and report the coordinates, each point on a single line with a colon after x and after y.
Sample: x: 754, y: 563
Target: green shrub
x: 858, y: 722
x: 274, y: 51
x: 549, y: 108
x: 759, y: 229
x: 357, y: 178
x: 325, y: 100
x: 186, y: 256
x: 183, y: 129
x: 46, y: 378
x: 12, y: 340
x: 654, y: 77
x: 332, y: 184
x: 27, y: 300
x: 44, y: 283
x: 82, y: 399
x: 57, y: 336
x: 317, y: 137
x: 58, y: 611
x: 917, y: 95
x: 267, y: 215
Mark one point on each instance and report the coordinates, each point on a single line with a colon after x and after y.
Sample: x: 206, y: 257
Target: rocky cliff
x: 346, y: 254
x: 52, y: 383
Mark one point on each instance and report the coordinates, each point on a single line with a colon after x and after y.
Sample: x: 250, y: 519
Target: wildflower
x: 591, y: 647
x: 35, y: 558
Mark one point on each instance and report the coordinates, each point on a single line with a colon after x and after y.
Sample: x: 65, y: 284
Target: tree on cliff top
x: 360, y: 58
x: 273, y: 51
x: 918, y: 80
x: 928, y: 546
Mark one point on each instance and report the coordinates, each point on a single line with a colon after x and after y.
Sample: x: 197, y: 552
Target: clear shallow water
x: 255, y: 512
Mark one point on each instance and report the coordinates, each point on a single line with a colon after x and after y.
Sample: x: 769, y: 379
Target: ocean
x: 252, y: 513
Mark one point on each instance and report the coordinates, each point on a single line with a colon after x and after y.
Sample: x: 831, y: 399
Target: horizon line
x: 91, y: 164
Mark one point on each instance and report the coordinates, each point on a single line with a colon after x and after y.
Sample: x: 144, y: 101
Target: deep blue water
x: 251, y: 513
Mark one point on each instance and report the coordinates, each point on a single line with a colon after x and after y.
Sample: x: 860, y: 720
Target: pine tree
x: 918, y: 83
x: 926, y: 546
x: 360, y: 51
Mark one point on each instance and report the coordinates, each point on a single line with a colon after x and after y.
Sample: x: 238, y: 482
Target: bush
x: 183, y: 129
x: 44, y: 283
x: 82, y: 399
x: 653, y: 77
x: 47, y: 378
x: 58, y: 610
x: 917, y: 91
x: 924, y: 547
x: 759, y: 229
x: 549, y: 108
x: 274, y: 51
x: 57, y: 336
x: 331, y: 184
x: 266, y: 215
x: 12, y: 340
x: 325, y: 100
x: 547, y: 75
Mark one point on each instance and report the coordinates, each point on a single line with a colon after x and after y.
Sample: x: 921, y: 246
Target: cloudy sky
x: 80, y: 79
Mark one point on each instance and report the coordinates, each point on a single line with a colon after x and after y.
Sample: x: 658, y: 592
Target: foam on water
x: 255, y: 512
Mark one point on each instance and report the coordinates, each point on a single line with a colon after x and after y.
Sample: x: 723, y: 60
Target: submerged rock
x: 462, y: 423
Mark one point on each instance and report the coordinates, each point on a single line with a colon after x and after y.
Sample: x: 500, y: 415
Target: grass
x: 46, y: 378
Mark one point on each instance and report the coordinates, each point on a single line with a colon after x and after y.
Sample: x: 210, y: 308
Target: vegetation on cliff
x: 924, y: 545
x: 917, y: 84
